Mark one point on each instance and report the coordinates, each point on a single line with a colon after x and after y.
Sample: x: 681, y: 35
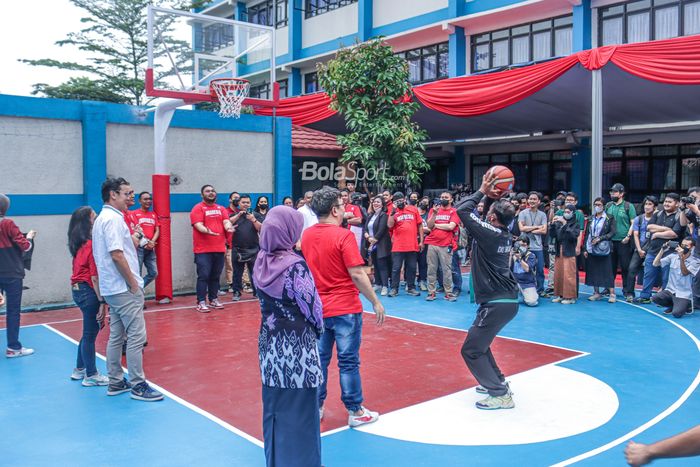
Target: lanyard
x: 596, y: 230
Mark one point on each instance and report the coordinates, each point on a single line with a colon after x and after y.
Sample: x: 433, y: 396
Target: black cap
x: 618, y: 187
x: 398, y: 195
x: 561, y: 193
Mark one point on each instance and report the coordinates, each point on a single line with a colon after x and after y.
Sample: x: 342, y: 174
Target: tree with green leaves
x: 115, y: 43
x: 368, y: 85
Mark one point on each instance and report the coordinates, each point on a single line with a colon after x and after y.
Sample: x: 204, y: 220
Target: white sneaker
x: 78, y: 374
x: 23, y: 352
x: 95, y: 380
x: 203, y: 308
x: 216, y: 304
x: 556, y: 299
x: 384, y: 292
x: 320, y: 413
x: 366, y: 417
x: 568, y: 301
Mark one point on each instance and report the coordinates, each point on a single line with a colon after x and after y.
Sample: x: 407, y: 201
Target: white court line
x: 672, y: 408
x: 157, y: 310
x: 177, y: 399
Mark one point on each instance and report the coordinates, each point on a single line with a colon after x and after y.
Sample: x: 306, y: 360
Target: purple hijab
x: 278, y: 235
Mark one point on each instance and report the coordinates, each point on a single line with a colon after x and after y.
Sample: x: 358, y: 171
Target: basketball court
x: 586, y: 378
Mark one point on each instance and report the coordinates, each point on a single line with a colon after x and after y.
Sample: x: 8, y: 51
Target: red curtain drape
x: 670, y: 61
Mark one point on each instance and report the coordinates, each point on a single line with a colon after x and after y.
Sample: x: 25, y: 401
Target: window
x: 645, y: 20
x: 523, y: 44
x: 264, y: 91
x: 212, y: 38
x: 311, y: 83
x: 318, y: 7
x: 545, y: 171
x: 427, y: 63
x: 262, y: 13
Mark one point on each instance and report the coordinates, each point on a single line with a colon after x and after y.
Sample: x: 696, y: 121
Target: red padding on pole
x: 161, y: 206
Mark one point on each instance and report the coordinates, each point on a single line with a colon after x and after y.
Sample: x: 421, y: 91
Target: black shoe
x: 119, y: 388
x: 413, y: 293
x: 605, y: 293
x: 629, y: 298
x: 456, y: 292
x: 143, y: 392
x: 642, y: 301
x: 393, y: 293
x: 236, y: 296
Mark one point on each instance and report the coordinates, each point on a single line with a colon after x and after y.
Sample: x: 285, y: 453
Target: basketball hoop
x: 231, y: 92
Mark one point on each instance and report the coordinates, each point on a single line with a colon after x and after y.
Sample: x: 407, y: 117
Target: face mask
x: 235, y: 202
x: 445, y: 202
x: 400, y: 204
x: 424, y: 205
x: 598, y: 209
x: 412, y: 202
x: 522, y: 250
x: 615, y: 199
x: 686, y: 250
x: 263, y: 206
x: 568, y: 216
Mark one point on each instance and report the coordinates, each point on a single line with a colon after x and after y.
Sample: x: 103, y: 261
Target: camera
x: 688, y: 200
x: 672, y: 244
x: 356, y: 199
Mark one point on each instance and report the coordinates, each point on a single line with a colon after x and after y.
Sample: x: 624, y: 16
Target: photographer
x: 683, y: 266
x: 689, y: 217
x: 523, y: 264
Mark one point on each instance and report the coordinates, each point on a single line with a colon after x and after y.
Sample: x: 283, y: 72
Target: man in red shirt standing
x: 150, y: 229
x: 442, y: 222
x: 337, y: 268
x: 210, y: 224
x: 353, y: 217
x: 407, y: 240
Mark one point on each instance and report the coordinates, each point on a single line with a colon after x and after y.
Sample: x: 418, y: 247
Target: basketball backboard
x: 187, y: 50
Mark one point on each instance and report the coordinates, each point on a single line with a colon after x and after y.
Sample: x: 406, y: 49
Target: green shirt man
x: 622, y: 211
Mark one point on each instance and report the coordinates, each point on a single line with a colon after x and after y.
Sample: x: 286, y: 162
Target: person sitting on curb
x: 678, y: 293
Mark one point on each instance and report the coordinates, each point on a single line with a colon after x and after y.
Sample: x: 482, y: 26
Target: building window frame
x: 529, y: 30
x: 263, y: 13
x: 263, y: 90
x: 441, y: 53
x: 311, y: 84
x: 318, y: 7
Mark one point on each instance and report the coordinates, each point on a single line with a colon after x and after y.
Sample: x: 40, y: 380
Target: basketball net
x: 231, y: 92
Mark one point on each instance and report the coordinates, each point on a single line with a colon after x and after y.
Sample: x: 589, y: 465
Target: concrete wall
x: 390, y: 11
x: 57, y: 153
x: 329, y: 26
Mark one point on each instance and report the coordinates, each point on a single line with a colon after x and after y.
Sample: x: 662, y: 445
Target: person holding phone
x: 683, y: 266
x: 245, y: 245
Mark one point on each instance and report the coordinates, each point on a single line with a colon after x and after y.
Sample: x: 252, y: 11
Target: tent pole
x: 596, y: 135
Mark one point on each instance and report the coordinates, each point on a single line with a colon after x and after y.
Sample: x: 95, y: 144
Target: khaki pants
x: 126, y: 321
x: 228, y: 267
x: 438, y: 255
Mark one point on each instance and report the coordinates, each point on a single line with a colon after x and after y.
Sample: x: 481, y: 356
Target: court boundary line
x: 211, y: 417
x: 655, y: 420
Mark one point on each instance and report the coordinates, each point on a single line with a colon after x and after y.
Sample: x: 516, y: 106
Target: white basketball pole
x: 596, y: 134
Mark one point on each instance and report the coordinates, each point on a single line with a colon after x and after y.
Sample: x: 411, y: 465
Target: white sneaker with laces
x: 202, y: 307
x: 366, y: 417
x: 216, y: 304
x: 95, y: 380
x: 23, y: 352
x: 385, y: 291
x: 78, y: 374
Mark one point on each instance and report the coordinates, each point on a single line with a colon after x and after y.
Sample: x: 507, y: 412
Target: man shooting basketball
x: 494, y: 287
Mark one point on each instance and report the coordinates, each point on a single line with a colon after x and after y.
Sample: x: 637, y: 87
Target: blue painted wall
x: 95, y: 116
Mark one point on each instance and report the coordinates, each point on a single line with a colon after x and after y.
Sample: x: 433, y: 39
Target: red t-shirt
x: 405, y: 232
x: 439, y: 237
x: 330, y: 250
x: 356, y: 212
x: 148, y: 220
x: 129, y: 221
x: 212, y: 216
x: 84, y: 266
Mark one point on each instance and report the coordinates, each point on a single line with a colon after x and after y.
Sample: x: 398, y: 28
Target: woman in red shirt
x: 86, y: 294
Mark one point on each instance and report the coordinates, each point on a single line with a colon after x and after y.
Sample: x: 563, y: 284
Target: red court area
x: 211, y: 361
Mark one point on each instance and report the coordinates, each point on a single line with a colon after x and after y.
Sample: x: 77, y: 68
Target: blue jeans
x: 652, y: 275
x: 86, y: 298
x: 13, y: 294
x: 209, y: 267
x: 539, y: 272
x: 148, y: 258
x: 346, y: 332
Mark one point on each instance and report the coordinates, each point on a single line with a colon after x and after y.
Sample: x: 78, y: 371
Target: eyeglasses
x: 127, y: 193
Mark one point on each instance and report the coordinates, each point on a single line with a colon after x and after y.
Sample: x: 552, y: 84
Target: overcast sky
x: 29, y: 29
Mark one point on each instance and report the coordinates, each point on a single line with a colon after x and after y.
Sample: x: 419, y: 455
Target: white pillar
x: 596, y: 134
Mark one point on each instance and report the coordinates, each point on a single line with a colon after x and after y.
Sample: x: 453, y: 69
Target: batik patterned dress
x: 290, y: 327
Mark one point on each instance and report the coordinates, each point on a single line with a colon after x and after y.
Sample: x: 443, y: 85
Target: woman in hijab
x: 13, y: 246
x: 601, y: 228
x: 292, y: 321
x: 565, y: 230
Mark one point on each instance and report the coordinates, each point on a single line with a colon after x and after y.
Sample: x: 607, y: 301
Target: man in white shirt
x: 310, y: 217
x: 122, y: 288
x: 683, y: 266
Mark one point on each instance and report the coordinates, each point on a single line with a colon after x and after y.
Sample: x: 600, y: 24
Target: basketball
x: 505, y: 180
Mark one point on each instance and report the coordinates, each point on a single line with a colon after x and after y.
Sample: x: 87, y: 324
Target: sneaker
x: 568, y: 301
x: 482, y: 390
x: 423, y: 286
x: 377, y: 288
x: 629, y: 298
x: 595, y: 297
x: 366, y: 417
x: 216, y: 304
x: 612, y: 299
x: 557, y: 299
x: 456, y: 292
x: 202, y: 307
x: 119, y: 388
x: 450, y: 297
x: 320, y: 413
x: 496, y: 402
x: 23, y: 352
x: 431, y: 296
x: 95, y: 380
x: 236, y: 296
x: 668, y: 310
x: 143, y: 392
x: 393, y: 293
x: 412, y: 292
x: 605, y: 293
x: 164, y: 301
x: 690, y: 311
x: 78, y: 374
x: 384, y: 292
x: 247, y: 289
x: 642, y: 301
x: 221, y: 293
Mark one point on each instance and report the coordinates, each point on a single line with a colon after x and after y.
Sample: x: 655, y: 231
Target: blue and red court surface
x: 586, y: 378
